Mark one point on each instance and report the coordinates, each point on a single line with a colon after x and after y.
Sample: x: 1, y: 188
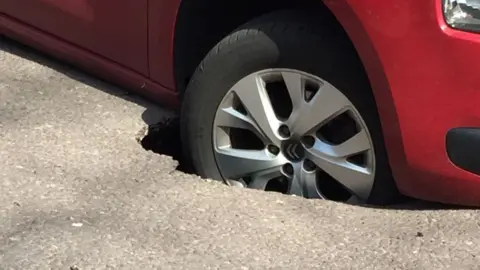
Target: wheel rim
x: 288, y: 131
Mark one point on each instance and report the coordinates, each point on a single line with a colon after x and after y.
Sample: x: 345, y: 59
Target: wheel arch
x: 197, y: 29
x: 372, y: 64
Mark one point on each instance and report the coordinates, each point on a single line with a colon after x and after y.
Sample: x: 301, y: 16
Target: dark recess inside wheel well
x: 203, y: 23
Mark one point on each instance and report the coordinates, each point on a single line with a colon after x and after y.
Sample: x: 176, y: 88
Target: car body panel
x: 430, y: 72
x: 115, y: 29
x: 161, y: 36
x: 423, y: 74
x: 93, y: 63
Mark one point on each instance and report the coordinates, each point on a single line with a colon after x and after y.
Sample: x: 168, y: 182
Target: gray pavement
x: 77, y: 191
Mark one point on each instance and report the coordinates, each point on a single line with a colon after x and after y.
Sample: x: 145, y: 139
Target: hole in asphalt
x: 164, y: 138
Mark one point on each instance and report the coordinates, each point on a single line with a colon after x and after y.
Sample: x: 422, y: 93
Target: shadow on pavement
x: 419, y: 205
x: 164, y: 138
x: 162, y: 133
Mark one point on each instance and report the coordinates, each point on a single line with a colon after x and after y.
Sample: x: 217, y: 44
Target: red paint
x: 93, y: 60
x: 119, y: 34
x: 424, y: 74
x: 425, y: 80
x: 161, y: 34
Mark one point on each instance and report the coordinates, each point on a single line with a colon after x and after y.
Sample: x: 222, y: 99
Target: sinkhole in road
x: 164, y: 138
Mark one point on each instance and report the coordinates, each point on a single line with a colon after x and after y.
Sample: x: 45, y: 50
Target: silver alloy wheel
x: 291, y: 148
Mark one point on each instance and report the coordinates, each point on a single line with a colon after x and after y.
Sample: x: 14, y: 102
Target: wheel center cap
x: 293, y: 150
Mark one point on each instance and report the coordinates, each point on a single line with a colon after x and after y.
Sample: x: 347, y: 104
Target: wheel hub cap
x: 293, y: 151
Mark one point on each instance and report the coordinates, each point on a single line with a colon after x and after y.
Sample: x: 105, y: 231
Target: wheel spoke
x: 236, y: 163
x: 326, y: 103
x: 355, y: 145
x: 254, y: 97
x: 310, y: 185
x: 295, y: 186
x: 304, y: 183
x: 294, y: 84
x: 229, y: 117
x: 259, y: 183
x: 261, y: 179
x: 357, y: 179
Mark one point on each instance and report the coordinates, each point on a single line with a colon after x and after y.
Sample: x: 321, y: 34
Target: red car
x: 348, y: 100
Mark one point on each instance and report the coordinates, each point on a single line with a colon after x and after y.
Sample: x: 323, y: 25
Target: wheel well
x: 203, y: 23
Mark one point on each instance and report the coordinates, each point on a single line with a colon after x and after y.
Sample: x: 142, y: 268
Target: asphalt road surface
x: 77, y: 191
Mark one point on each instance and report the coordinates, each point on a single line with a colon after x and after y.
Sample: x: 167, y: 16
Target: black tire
x: 282, y: 39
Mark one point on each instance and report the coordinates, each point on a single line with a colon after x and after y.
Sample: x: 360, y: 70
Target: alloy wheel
x: 289, y: 131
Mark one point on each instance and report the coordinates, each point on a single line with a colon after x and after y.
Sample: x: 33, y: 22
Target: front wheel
x: 280, y: 105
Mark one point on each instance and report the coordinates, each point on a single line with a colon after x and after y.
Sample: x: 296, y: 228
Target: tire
x: 283, y: 39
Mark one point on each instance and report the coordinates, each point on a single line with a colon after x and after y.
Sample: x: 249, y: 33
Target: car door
x: 113, y: 29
